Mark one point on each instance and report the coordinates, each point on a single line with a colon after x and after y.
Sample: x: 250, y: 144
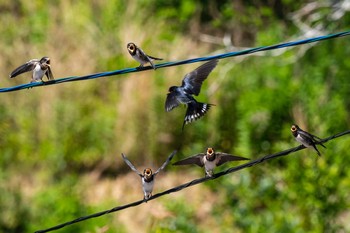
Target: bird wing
x: 142, y: 54
x: 171, y: 101
x: 306, y: 136
x: 223, y: 158
x: 155, y: 58
x: 192, y: 81
x: 312, y: 139
x: 166, y: 162
x: 49, y: 74
x: 315, y: 138
x: 145, y: 57
x: 195, y: 159
x: 320, y: 143
x: 131, y: 165
x: 175, y: 98
x: 28, y: 66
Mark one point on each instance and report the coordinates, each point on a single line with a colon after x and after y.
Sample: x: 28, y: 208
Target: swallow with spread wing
x: 191, y: 85
x: 147, y: 177
x: 39, y: 67
x: 209, y: 160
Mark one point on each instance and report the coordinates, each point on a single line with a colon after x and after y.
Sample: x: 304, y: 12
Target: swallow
x: 191, y: 85
x: 306, y: 139
x: 39, y: 67
x: 209, y: 160
x: 147, y: 177
x: 141, y: 56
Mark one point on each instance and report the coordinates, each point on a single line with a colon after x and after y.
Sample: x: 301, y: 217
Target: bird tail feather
x: 195, y: 111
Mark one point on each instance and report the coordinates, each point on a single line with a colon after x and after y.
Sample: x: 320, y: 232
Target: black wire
x: 194, y: 182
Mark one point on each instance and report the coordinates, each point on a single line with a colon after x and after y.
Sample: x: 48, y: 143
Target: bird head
x: 210, y: 153
x: 45, y: 62
x: 172, y: 89
x: 147, y: 173
x: 131, y: 48
x: 294, y: 129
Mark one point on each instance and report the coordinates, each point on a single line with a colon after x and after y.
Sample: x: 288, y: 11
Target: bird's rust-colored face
x: 147, y: 172
x: 131, y: 47
x: 45, y: 62
x: 210, y: 151
x: 210, y: 154
x: 294, y: 128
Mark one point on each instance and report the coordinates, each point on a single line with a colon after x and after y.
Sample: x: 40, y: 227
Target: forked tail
x: 195, y: 110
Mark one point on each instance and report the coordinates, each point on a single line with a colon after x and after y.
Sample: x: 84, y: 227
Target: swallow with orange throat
x: 210, y: 160
x: 148, y: 177
x: 39, y: 67
x: 141, y: 56
x: 306, y: 139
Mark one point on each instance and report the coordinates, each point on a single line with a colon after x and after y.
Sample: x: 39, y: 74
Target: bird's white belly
x: 209, y: 165
x: 147, y: 187
x: 38, y: 73
x: 302, y: 141
x: 139, y: 59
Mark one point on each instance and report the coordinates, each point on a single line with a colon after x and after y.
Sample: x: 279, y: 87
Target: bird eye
x: 293, y: 128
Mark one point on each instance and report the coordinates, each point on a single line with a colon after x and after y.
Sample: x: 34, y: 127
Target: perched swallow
x: 191, y: 85
x: 305, y: 138
x: 39, y: 67
x: 141, y: 56
x: 209, y: 160
x: 148, y: 176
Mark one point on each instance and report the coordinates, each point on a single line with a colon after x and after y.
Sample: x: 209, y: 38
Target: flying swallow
x: 147, y: 177
x: 191, y: 85
x: 305, y: 138
x: 39, y: 67
x: 209, y: 160
x: 141, y: 56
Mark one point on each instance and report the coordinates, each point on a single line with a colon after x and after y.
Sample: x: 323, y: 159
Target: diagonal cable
x: 176, y: 63
x: 194, y: 182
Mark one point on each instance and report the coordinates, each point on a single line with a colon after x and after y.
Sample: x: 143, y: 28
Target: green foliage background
x: 60, y: 145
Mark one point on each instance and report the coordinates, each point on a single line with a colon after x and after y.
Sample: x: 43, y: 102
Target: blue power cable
x: 176, y: 63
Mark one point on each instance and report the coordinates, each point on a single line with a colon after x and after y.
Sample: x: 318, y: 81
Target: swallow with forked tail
x: 191, y: 85
x: 305, y: 138
x: 209, y: 160
x: 39, y: 67
x: 148, y: 176
x: 141, y: 56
